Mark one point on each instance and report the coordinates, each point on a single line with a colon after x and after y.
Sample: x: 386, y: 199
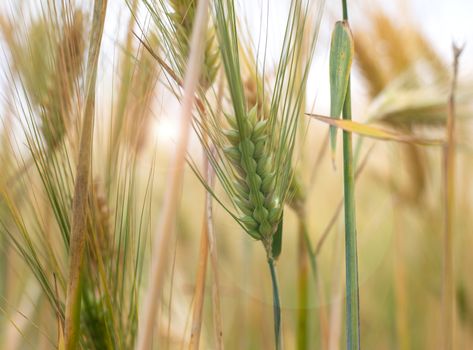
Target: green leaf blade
x: 341, y: 56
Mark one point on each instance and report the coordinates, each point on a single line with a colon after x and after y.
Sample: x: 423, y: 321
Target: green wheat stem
x: 345, y: 10
x: 303, y: 288
x: 276, y: 305
x: 303, y: 321
x: 351, y: 256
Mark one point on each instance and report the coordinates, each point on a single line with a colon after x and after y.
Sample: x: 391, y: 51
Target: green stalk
x: 351, y: 258
x: 276, y: 305
x: 345, y: 10
x: 311, y: 256
x: 303, y: 288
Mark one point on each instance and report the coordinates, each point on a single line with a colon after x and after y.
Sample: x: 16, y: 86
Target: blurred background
x: 401, y: 80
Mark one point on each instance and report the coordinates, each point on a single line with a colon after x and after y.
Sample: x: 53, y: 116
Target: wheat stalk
x: 448, y: 299
x: 351, y: 258
x: 193, y: 70
x: 182, y: 19
x: 81, y: 190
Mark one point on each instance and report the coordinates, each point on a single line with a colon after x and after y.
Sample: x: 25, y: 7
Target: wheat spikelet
x: 368, y: 62
x: 408, y: 100
x: 398, y: 54
x: 60, y: 93
x: 138, y: 114
x: 182, y: 19
x: 99, y: 224
x: 49, y: 63
x: 254, y: 96
x: 70, y: 51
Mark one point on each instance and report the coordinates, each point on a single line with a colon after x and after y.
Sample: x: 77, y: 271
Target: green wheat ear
x: 253, y: 164
x: 182, y: 19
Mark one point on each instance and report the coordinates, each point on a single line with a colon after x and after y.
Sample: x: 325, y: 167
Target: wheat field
x: 236, y: 174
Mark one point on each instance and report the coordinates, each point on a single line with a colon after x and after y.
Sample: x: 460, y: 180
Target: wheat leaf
x: 375, y: 132
x: 341, y: 56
